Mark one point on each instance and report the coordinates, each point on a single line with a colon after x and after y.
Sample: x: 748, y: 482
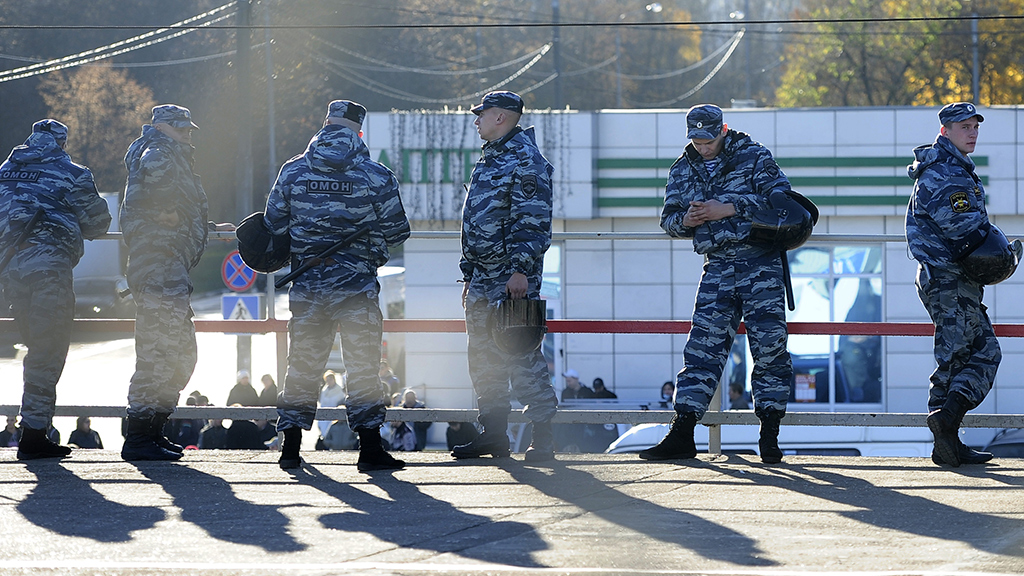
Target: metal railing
x: 714, y: 418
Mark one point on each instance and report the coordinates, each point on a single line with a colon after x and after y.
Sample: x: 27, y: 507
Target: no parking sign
x: 236, y: 275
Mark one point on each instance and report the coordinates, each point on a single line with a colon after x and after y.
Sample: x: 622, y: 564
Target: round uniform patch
x: 960, y: 202
x: 772, y: 169
x: 529, y: 185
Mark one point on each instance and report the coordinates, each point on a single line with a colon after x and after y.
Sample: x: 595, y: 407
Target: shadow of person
x: 890, y: 507
x: 412, y: 519
x: 559, y: 480
x: 210, y: 503
x: 67, y: 505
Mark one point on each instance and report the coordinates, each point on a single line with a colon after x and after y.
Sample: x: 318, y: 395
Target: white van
x: 794, y: 440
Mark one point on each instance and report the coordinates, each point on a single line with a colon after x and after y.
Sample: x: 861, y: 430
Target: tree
x: 894, y: 60
x: 103, y: 109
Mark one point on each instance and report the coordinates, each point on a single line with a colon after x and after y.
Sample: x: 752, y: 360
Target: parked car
x: 103, y: 297
x: 1007, y: 443
x: 794, y: 440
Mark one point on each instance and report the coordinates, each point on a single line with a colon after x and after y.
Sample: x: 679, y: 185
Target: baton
x: 309, y: 263
x: 788, y: 281
x: 25, y: 233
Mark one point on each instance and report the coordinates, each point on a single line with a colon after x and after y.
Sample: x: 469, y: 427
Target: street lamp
x: 654, y: 8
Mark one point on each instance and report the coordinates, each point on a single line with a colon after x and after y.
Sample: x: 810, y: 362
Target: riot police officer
x: 164, y: 222
x: 946, y: 217
x: 48, y: 204
x: 506, y: 229
x: 329, y: 191
x: 722, y: 179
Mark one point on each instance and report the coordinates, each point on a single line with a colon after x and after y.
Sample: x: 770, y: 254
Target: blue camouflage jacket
x: 506, y: 220
x: 329, y: 191
x: 40, y: 174
x: 947, y: 204
x: 160, y: 179
x: 745, y: 176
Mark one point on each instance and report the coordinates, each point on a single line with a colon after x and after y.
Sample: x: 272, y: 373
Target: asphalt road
x: 238, y: 513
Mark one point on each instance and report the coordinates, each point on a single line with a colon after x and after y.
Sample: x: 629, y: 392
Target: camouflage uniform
x: 506, y: 228
x: 160, y: 180
x: 740, y: 280
x: 38, y: 280
x: 948, y: 203
x: 320, y: 196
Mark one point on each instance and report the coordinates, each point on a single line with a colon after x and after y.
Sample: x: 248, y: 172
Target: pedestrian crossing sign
x: 241, y: 307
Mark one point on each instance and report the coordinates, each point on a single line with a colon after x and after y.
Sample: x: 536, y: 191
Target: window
x: 837, y: 284
x: 830, y: 283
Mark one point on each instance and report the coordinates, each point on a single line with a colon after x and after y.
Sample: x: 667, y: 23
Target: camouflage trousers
x: 492, y: 370
x: 732, y: 289
x: 42, y: 299
x: 317, y: 314
x: 966, y: 350
x: 165, y: 337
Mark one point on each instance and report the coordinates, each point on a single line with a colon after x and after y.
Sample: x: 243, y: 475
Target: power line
x: 560, y: 24
x: 702, y: 83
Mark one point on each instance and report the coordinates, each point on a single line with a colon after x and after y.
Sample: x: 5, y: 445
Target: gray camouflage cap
x: 59, y: 130
x: 175, y: 116
x: 704, y: 121
x: 958, y: 112
x: 502, y: 99
x: 347, y: 110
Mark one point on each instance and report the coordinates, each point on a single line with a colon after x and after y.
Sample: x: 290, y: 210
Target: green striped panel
x: 804, y: 162
x: 657, y: 202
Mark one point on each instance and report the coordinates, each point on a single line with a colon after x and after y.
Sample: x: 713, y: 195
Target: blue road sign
x: 241, y: 306
x: 236, y: 275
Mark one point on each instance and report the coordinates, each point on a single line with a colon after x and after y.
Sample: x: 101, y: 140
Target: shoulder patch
x: 960, y: 202
x: 529, y: 185
x: 772, y: 169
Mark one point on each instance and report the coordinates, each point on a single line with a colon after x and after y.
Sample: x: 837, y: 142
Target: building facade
x: 610, y: 173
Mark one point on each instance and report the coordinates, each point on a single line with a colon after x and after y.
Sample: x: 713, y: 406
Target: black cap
x: 348, y: 110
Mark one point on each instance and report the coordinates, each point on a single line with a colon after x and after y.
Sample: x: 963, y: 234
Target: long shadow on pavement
x: 210, y: 503
x: 412, y: 519
x: 67, y: 505
x: 889, y: 508
x: 584, y: 491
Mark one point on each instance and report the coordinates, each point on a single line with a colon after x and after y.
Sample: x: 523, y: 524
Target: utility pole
x: 556, y: 44
x: 975, y: 65
x: 243, y: 123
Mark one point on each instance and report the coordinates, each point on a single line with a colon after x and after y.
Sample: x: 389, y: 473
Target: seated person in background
x: 419, y: 428
x: 339, y: 437
x: 9, y: 435
x: 244, y: 435
x: 460, y: 433
x: 573, y: 388
x: 668, y: 390
x: 737, y: 397
x: 332, y: 395
x: 268, y: 396
x: 214, y: 436
x: 84, y: 436
x: 600, y: 391
x: 185, y: 431
x: 243, y: 393
x: 403, y: 438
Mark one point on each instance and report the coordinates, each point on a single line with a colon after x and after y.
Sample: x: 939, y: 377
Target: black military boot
x: 945, y: 426
x: 139, y: 443
x: 34, y: 445
x: 372, y: 455
x: 678, y: 443
x: 492, y: 442
x: 290, y: 458
x: 768, y: 443
x: 968, y: 455
x: 542, y: 447
x: 159, y: 422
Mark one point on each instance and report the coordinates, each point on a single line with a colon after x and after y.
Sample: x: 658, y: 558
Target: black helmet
x: 994, y: 260
x: 259, y: 249
x: 519, y: 326
x: 787, y: 224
